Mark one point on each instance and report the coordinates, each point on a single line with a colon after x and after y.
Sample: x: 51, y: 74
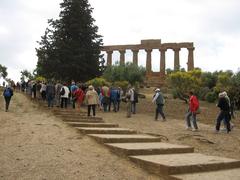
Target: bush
x: 203, y: 92
x: 211, y: 97
x: 98, y: 82
x: 122, y: 84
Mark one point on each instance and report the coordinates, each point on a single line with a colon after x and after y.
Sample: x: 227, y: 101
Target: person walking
x: 92, y: 100
x: 58, y: 88
x: 191, y: 115
x: 7, y: 93
x: 134, y: 100
x: 79, y: 95
x: 43, y: 90
x: 64, y: 93
x: 105, y: 97
x: 50, y: 93
x: 224, y: 113
x: 73, y: 88
x: 158, y: 99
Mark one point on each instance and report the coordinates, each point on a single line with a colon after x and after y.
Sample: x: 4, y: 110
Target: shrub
x: 211, y: 97
x: 97, y: 82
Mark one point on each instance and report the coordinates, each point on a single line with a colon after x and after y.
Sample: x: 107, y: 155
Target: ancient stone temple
x: 153, y: 78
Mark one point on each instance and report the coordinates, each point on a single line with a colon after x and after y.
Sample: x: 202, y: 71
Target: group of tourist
x: 109, y: 98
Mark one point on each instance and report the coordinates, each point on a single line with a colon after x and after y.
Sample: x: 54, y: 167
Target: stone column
x: 149, y: 60
x: 176, y: 59
x: 190, y: 59
x: 162, y: 60
x: 109, y: 58
x: 122, y: 57
x: 135, y: 56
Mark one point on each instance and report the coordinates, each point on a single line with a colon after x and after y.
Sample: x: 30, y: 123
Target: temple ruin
x: 153, y: 78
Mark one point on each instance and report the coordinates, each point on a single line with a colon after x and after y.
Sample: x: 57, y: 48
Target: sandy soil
x: 36, y: 145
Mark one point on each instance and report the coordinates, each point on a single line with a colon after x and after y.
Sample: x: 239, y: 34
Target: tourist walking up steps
x: 224, y: 113
x: 50, y: 93
x: 64, y: 92
x: 92, y: 100
x: 158, y: 99
x: 191, y: 115
x: 7, y: 93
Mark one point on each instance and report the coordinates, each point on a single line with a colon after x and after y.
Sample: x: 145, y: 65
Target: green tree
x: 183, y: 82
x: 26, y: 75
x: 70, y: 47
x: 3, y: 71
x: 127, y: 72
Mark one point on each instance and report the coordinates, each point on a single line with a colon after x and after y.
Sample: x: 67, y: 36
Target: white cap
x: 157, y: 89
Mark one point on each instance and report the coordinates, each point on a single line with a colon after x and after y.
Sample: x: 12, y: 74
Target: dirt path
x: 36, y: 145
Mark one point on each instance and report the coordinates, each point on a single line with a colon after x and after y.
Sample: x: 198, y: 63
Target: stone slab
x: 86, y: 124
x: 148, y: 148
x: 104, y: 130
x: 230, y: 174
x: 83, y: 120
x: 124, y: 138
x: 168, y: 164
x: 79, y: 117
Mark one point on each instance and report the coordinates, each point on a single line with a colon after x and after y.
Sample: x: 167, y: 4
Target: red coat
x: 193, y: 103
x: 79, y: 94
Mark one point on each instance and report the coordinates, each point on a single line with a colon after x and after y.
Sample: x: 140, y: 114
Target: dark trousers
x: 118, y: 105
x: 43, y: 95
x: 93, y: 107
x: 223, y: 115
x: 159, y: 110
x: 114, y: 105
x: 50, y: 100
x: 65, y: 101
x: 7, y: 101
x: 73, y: 102
x: 133, y: 107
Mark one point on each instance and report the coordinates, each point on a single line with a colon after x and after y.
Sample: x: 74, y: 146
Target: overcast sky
x: 213, y: 26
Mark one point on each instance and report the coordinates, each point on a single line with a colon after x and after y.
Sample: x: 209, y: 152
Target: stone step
x: 70, y: 113
x: 104, y: 130
x: 83, y: 124
x: 231, y: 174
x: 169, y: 164
x: 83, y: 120
x: 79, y: 117
x: 150, y: 148
x: 124, y: 138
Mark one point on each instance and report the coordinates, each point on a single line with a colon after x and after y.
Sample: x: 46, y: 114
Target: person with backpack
x: 64, y: 92
x: 7, y: 93
x: 191, y: 115
x: 158, y: 99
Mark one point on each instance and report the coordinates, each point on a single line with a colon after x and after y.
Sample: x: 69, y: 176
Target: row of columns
x: 190, y: 62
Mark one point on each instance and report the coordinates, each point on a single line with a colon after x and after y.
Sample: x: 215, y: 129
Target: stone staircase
x: 169, y: 161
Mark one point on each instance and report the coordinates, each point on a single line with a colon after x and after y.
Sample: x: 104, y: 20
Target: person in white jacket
x: 64, y: 92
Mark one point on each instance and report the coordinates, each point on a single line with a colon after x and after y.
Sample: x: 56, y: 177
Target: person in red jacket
x: 192, y: 112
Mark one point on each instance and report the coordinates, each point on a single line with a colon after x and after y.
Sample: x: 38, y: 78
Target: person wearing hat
x: 158, y: 99
x: 224, y: 113
x: 92, y: 100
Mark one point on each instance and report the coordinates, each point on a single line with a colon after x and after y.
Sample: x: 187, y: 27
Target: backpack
x: 7, y: 93
x: 62, y: 92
